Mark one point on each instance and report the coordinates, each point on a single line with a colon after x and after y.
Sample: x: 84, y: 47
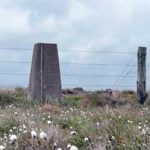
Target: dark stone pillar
x: 45, y: 80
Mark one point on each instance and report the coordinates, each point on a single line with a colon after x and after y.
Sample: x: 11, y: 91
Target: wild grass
x: 116, y: 123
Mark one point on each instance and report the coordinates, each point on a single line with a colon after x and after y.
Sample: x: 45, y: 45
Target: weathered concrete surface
x: 45, y: 80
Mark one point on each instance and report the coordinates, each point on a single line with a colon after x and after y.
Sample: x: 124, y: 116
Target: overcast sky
x: 90, y: 25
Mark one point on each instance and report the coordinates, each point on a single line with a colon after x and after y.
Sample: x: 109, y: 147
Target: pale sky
x: 90, y: 25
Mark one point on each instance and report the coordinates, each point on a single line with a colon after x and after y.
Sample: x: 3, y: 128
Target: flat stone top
x: 45, y: 44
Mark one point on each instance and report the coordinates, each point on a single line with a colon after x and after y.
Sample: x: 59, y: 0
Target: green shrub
x: 97, y: 99
x: 8, y: 124
x: 78, y: 140
x: 18, y: 97
x: 71, y: 101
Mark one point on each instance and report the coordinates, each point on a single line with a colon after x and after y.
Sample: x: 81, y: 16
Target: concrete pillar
x: 141, y: 74
x: 45, y: 80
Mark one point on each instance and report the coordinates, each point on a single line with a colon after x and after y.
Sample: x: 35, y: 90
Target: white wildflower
x: 15, y: 113
x: 13, y: 139
x: 139, y: 127
x: 24, y: 127
x: 129, y: 121
x: 49, y: 122
x: 2, y: 147
x: 145, y: 109
x: 33, y: 134
x: 113, y: 137
x: 20, y: 129
x: 72, y: 147
x: 28, y: 114
x: 14, y: 128
x: 143, y: 132
x: 10, y: 106
x: 54, y: 145
x: 71, y: 109
x: 97, y: 123
x: 71, y: 128
x: 73, y: 132
x: 43, y: 135
x: 86, y: 139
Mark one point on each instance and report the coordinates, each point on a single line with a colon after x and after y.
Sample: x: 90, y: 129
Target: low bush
x: 72, y: 101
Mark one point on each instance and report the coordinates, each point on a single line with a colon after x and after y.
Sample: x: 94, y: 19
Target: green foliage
x: 6, y: 98
x: 8, y: 124
x: 71, y: 101
x: 74, y: 122
x: 97, y: 99
x: 9, y: 97
x: 18, y: 97
x: 78, y: 140
x: 116, y: 128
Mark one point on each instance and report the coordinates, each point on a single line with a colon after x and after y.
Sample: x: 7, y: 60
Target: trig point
x: 45, y: 81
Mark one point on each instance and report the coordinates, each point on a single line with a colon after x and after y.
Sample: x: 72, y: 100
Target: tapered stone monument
x: 45, y: 80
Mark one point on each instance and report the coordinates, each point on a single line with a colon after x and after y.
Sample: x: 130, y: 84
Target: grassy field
x: 88, y: 120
